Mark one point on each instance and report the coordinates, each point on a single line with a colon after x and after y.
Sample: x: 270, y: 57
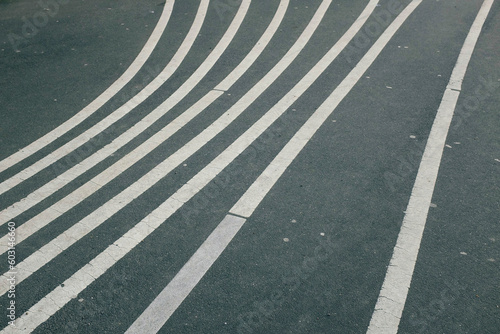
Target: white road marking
x: 165, y: 304
x: 392, y: 297
x: 247, y: 204
x: 116, y: 115
x: 60, y: 296
x: 48, y: 189
x: 96, y: 218
x: 101, y: 99
x: 45, y: 217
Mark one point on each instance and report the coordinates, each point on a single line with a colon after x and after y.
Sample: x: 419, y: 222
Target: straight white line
x: 165, y: 304
x: 259, y: 189
x: 179, y: 288
x: 60, y: 296
x: 96, y: 218
x: 392, y: 298
x: 458, y: 74
x: 101, y: 99
x: 53, y: 186
x: 45, y: 217
x: 119, y: 142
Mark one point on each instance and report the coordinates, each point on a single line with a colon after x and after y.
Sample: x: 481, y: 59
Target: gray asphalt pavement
x: 127, y: 214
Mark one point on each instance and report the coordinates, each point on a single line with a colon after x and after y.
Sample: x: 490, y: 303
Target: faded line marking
x: 392, y: 298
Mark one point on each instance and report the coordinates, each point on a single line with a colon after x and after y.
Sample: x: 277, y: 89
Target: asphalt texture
x: 313, y: 256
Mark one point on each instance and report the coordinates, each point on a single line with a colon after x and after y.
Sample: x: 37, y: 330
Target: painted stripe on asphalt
x: 48, y: 189
x: 392, y: 298
x: 119, y: 142
x: 259, y: 189
x: 165, y: 304
x: 46, y: 307
x: 90, y: 222
x: 56, y: 210
x: 99, y: 216
x: 168, y: 301
x: 101, y: 99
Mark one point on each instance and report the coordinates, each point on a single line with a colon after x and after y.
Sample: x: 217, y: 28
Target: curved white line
x: 43, y: 192
x: 101, y: 214
x: 106, y: 259
x: 101, y: 99
x: 171, y: 297
x: 112, y: 118
x: 45, y: 217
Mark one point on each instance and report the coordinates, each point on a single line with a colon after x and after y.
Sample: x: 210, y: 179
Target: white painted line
x: 63, y: 179
x: 165, y: 304
x: 168, y: 301
x: 259, y: 189
x: 116, y: 115
x: 392, y: 297
x: 101, y: 99
x: 45, y: 308
x: 80, y: 229
x: 160, y: 310
x: 458, y: 73
x: 261, y: 44
x: 45, y: 217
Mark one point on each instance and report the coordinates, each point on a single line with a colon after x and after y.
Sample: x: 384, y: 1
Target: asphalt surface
x: 313, y: 256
